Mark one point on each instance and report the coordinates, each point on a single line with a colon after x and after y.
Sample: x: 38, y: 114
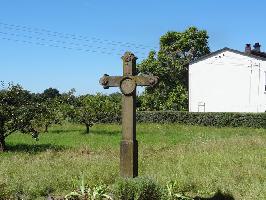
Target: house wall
x: 227, y: 82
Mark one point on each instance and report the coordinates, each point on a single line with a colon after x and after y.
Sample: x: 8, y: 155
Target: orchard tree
x: 97, y: 108
x: 18, y: 112
x: 170, y: 64
x: 51, y: 112
x: 55, y: 106
x: 68, y: 104
x: 50, y: 100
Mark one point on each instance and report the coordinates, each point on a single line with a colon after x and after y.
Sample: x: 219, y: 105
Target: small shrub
x: 4, y: 193
x: 138, y: 189
x: 125, y: 189
x: 98, y: 192
x: 172, y: 192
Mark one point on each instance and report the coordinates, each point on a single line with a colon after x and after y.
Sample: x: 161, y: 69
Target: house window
x: 201, y: 106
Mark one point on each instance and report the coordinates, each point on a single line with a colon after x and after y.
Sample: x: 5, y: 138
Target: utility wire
x: 67, y: 37
x: 57, y: 46
x: 67, y: 45
x: 51, y: 40
x: 97, y: 50
x: 72, y: 36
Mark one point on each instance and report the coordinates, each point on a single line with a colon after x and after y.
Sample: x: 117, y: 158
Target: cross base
x: 129, y: 158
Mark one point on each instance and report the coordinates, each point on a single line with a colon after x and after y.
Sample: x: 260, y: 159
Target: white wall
x: 227, y: 82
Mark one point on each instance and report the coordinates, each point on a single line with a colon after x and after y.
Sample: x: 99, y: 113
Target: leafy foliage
x: 56, y: 107
x: 138, y: 188
x: 18, y: 112
x: 170, y: 64
x: 50, y: 93
x: 172, y: 192
x: 89, y: 193
x: 91, y: 109
x: 32, y: 113
x: 255, y: 120
x: 50, y: 113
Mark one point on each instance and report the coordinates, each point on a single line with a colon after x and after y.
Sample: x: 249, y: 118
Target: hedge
x: 255, y: 120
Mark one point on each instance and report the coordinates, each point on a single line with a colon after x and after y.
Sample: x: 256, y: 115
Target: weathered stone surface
x: 129, y: 158
x: 128, y: 83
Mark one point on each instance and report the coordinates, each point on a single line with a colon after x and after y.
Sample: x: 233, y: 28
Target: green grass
x: 202, y: 160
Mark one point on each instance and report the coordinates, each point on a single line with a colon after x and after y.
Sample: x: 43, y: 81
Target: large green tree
x: 170, y: 64
x: 18, y: 112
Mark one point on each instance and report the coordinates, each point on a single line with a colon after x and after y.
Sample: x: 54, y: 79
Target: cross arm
x: 114, y: 81
x: 110, y: 81
x: 146, y: 80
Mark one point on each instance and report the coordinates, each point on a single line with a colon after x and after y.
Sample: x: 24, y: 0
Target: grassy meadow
x: 202, y: 160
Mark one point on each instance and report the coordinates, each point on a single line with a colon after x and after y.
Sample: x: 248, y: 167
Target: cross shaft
x: 128, y: 83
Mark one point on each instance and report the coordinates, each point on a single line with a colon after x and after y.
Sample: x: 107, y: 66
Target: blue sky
x: 103, y: 30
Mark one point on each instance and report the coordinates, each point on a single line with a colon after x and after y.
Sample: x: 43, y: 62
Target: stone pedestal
x: 129, y: 158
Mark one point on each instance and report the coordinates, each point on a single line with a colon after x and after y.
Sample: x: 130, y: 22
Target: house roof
x: 253, y: 54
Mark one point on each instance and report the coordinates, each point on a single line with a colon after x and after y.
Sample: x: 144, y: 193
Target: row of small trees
x: 21, y: 110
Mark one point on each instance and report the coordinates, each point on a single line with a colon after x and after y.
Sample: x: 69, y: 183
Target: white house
x: 229, y: 81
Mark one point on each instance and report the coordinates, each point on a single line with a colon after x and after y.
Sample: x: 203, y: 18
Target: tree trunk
x: 2, y: 143
x: 87, y: 128
x: 46, y: 128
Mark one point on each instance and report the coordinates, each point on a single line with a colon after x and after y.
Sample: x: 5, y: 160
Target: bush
x: 4, y: 192
x: 137, y: 189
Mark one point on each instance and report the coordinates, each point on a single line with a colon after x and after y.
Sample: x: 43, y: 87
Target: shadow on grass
x: 218, y: 196
x: 57, y: 131
x: 33, y: 148
x: 101, y: 132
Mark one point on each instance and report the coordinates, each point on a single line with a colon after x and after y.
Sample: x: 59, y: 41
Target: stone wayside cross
x: 128, y: 83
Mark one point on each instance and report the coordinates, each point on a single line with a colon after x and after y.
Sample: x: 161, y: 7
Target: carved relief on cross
x: 127, y: 84
x: 129, y: 80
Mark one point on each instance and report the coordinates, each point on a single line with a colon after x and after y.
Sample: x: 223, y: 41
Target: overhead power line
x: 102, y: 50
x: 73, y: 36
x: 63, y: 45
x: 58, y: 46
x: 23, y: 34
x: 51, y: 40
x: 71, y: 43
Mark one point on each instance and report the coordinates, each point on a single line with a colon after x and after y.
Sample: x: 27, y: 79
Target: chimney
x: 257, y: 47
x: 248, y: 49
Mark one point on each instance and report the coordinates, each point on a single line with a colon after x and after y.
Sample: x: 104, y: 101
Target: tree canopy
x: 91, y: 109
x: 50, y: 93
x: 18, y: 112
x: 170, y: 64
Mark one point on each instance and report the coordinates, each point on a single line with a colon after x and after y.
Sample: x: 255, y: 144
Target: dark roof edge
x: 223, y: 50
